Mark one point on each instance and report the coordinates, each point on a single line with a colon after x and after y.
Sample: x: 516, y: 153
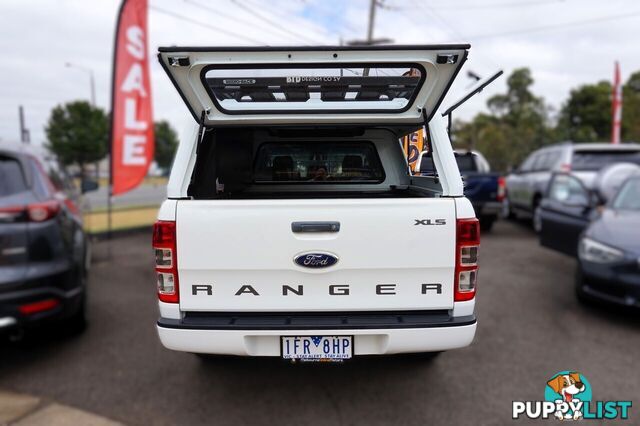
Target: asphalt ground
x: 530, y: 327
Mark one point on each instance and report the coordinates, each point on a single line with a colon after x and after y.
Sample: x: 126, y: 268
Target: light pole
x: 93, y: 97
x: 91, y: 81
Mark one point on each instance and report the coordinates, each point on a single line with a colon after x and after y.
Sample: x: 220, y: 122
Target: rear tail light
x: 164, y: 247
x: 37, y: 307
x: 565, y: 167
x: 466, y: 271
x: 35, y: 212
x: 501, y: 189
x: 39, y: 212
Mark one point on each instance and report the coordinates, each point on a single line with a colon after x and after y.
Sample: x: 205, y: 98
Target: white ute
x: 293, y: 227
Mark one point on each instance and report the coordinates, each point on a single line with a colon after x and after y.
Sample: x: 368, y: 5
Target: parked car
x: 44, y: 253
x: 293, y: 226
x: 605, y: 239
x: 483, y: 188
x: 526, y: 185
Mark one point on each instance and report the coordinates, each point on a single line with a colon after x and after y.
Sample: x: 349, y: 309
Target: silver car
x: 526, y: 185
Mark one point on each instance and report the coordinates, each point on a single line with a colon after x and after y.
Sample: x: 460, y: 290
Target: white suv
x: 293, y: 226
x: 526, y: 185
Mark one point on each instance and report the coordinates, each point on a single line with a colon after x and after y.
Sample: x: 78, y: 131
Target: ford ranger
x: 293, y: 226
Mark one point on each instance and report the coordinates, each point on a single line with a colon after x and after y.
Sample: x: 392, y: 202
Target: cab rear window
x: 466, y: 163
x: 317, y: 162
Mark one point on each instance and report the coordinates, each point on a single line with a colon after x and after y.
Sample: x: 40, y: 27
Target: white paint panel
x: 230, y: 243
x: 366, y: 342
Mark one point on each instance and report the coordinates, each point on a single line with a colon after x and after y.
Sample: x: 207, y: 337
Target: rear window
x: 317, y: 162
x: 12, y: 178
x: 317, y: 88
x: 595, y: 160
x: 466, y: 163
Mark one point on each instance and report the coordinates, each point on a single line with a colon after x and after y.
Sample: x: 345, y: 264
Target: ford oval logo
x: 315, y: 260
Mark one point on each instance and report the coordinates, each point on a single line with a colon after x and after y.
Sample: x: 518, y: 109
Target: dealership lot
x: 530, y: 327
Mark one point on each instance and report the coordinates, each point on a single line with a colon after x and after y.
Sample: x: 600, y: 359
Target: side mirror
x: 88, y: 185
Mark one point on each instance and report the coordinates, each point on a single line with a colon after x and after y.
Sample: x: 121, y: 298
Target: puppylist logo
x: 568, y: 397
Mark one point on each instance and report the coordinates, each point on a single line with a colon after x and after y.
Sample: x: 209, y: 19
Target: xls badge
x: 568, y: 397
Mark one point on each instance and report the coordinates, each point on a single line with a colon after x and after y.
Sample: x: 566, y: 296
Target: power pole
x: 370, y: 41
x: 372, y: 17
x: 24, y: 132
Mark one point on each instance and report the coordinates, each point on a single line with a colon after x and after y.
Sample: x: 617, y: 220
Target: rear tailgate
x: 224, y: 245
x: 481, y: 186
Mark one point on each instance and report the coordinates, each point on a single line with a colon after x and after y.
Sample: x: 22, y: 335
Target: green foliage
x: 517, y: 124
x: 78, y: 133
x: 166, y: 144
x: 631, y: 109
x: 586, y: 115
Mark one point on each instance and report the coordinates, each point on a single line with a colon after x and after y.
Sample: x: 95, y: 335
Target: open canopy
x: 313, y: 85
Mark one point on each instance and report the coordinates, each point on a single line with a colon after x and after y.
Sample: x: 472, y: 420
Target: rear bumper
x: 373, y: 334
x: 11, y: 317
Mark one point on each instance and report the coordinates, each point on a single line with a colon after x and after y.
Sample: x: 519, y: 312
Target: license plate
x: 317, y: 348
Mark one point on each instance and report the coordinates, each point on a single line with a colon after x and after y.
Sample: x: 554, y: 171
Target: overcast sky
x: 39, y: 37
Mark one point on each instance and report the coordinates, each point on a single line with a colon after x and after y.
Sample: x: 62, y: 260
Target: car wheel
x: 77, y: 322
x: 537, y: 218
x: 486, y: 224
x: 507, y: 211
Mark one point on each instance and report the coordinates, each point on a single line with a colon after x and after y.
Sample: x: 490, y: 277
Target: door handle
x: 315, y: 226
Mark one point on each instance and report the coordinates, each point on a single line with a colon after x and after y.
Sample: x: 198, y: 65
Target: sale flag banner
x: 132, y: 139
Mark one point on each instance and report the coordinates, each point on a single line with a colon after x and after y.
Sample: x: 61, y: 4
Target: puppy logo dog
x: 568, y: 385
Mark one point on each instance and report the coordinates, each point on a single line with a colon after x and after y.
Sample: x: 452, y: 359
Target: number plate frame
x: 283, y: 339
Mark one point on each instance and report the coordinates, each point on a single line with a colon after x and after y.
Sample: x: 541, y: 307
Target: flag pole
x: 111, y: 141
x: 616, y: 105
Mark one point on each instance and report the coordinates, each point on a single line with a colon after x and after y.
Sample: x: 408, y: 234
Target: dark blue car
x: 605, y: 239
x: 485, y: 189
x: 44, y: 251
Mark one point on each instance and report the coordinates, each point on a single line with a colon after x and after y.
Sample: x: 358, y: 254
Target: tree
x: 516, y: 125
x: 631, y: 109
x: 166, y: 144
x: 78, y: 133
x: 586, y: 115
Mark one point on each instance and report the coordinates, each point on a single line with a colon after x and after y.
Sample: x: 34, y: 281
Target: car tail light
x: 39, y: 306
x: 164, y: 247
x: 39, y: 212
x: 466, y: 271
x: 501, y: 189
x: 565, y: 167
x: 35, y: 212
